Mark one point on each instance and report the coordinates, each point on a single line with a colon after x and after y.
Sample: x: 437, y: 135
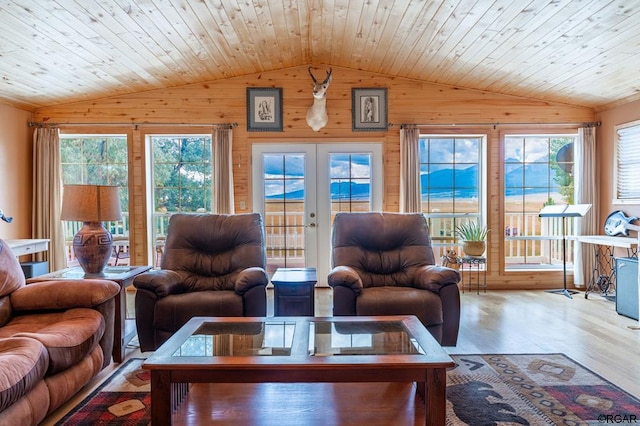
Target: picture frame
x: 369, y: 109
x: 264, y: 109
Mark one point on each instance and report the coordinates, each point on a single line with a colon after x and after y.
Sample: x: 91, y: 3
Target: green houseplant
x: 473, y: 236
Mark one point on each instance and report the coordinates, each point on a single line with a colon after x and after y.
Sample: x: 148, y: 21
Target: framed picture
x: 264, y: 109
x: 369, y: 108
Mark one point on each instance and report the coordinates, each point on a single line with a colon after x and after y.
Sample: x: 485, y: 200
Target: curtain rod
x: 134, y: 124
x: 582, y: 124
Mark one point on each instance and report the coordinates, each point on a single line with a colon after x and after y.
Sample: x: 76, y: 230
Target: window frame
x: 151, y: 190
x: 618, y: 154
x: 120, y: 229
x: 481, y: 216
x: 530, y: 133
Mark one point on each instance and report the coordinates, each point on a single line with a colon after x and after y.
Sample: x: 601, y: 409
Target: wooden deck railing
x: 528, y: 240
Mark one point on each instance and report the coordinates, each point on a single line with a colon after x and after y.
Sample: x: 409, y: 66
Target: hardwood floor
x: 589, y: 331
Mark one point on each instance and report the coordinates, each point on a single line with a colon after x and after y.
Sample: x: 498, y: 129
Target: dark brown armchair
x: 383, y: 264
x: 212, y: 265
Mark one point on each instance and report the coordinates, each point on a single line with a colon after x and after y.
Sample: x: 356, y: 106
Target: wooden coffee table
x: 299, y: 350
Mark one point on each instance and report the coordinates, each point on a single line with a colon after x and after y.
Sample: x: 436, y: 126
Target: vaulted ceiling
x: 580, y: 52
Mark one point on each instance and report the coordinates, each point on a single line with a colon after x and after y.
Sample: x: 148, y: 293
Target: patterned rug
x: 529, y: 389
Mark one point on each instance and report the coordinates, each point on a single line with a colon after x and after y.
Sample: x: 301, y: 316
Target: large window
x: 627, y: 158
x: 451, y: 185
x: 182, y: 177
x: 97, y: 160
x: 537, y: 173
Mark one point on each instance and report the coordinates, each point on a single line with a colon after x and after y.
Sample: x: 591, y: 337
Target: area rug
x: 523, y: 389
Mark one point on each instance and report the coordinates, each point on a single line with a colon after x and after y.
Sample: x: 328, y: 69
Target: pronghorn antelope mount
x: 317, y: 116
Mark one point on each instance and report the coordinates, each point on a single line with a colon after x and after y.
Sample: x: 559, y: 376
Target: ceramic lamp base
x: 92, y: 246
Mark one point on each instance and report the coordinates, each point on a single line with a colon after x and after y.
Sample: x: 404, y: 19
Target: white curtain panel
x: 584, y: 168
x: 47, y: 196
x: 409, y: 170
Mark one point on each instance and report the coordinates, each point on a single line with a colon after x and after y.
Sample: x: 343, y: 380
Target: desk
x: 603, y: 273
x: 27, y: 246
x: 124, y: 329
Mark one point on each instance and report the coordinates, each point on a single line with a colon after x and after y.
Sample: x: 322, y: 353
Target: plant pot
x: 474, y: 248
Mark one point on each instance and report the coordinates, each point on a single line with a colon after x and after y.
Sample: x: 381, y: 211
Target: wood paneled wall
x: 409, y: 101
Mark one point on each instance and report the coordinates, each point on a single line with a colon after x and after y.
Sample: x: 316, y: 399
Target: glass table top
x: 327, y: 338
x: 266, y: 338
x: 77, y: 272
x: 275, y: 338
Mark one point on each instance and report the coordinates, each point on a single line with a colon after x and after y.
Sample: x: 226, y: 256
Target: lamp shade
x: 91, y: 203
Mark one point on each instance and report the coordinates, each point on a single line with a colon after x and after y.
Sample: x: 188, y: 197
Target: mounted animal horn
x: 312, y: 76
x: 326, y: 80
x: 317, y: 116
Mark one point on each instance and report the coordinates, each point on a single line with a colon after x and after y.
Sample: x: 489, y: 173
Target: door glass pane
x: 284, y: 206
x: 350, y: 177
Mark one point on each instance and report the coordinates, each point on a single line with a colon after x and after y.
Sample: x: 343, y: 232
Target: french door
x: 298, y: 189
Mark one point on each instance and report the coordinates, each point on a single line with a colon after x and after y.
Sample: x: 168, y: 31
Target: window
x: 95, y: 159
x: 98, y: 160
x: 537, y: 173
x: 627, y: 158
x: 452, y: 185
x: 182, y: 177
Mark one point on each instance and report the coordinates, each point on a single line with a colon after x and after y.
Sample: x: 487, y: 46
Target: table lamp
x: 91, y: 204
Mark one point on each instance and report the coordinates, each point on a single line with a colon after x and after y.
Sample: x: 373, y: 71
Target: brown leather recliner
x: 213, y: 265
x: 383, y: 264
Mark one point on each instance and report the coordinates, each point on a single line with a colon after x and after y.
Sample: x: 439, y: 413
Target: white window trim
x: 483, y: 194
x: 629, y: 155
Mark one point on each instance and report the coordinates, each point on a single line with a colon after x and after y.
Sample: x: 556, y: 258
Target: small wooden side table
x: 473, y: 267
x: 125, y: 329
x: 294, y: 291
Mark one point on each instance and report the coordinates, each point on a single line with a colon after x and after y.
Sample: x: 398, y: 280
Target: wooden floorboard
x: 587, y: 330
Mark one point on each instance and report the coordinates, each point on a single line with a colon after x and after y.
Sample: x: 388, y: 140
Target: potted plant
x: 473, y: 236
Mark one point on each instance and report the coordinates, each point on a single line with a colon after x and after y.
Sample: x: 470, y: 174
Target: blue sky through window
x: 350, y: 176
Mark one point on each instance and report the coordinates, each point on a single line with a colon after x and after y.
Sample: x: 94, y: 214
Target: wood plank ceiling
x: 580, y: 52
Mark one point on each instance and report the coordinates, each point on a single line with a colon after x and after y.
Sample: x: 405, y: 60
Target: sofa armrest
x: 434, y: 277
x: 345, y: 276
x: 63, y: 294
x: 161, y: 282
x: 249, y: 278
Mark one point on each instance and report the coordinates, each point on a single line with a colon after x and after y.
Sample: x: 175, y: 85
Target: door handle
x: 311, y: 225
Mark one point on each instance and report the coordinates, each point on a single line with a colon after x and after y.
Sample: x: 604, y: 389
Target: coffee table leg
x: 161, y: 408
x: 436, y: 397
